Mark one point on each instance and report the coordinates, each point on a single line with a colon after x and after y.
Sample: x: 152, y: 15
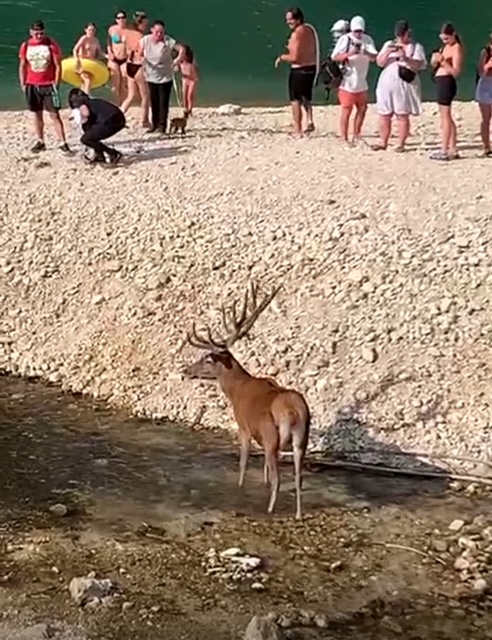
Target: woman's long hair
x: 448, y: 29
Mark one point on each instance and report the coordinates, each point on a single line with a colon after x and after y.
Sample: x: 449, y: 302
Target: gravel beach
x: 384, y: 317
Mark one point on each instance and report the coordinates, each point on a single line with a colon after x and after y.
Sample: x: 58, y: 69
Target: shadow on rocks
x: 143, y: 153
x: 350, y: 438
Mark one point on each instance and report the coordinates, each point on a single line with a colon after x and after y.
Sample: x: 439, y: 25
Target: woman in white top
x: 398, y: 88
x: 355, y: 50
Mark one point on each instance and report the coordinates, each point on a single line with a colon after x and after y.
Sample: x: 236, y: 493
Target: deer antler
x: 236, y: 327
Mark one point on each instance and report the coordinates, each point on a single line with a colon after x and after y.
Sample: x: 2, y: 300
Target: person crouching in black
x: 100, y: 120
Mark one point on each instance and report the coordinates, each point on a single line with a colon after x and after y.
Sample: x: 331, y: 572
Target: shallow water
x: 54, y: 444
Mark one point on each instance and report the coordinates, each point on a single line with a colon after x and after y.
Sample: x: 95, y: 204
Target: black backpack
x: 488, y: 55
x: 331, y: 73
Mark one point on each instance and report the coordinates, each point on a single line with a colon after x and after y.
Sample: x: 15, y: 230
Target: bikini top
x: 116, y: 38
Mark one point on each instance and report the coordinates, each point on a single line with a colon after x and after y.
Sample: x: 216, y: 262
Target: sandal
x: 487, y: 153
x: 442, y: 156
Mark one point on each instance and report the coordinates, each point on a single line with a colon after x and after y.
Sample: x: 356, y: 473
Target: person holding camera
x: 398, y: 89
x: 354, y: 50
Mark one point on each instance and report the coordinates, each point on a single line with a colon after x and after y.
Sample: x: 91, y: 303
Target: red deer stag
x: 273, y: 416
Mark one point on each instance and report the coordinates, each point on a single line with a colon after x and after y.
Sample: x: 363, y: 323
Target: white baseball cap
x: 340, y: 25
x: 357, y: 24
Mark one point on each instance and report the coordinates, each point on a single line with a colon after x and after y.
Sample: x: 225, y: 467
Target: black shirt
x: 100, y: 111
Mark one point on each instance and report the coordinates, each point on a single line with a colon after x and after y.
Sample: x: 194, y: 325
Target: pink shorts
x: 349, y: 99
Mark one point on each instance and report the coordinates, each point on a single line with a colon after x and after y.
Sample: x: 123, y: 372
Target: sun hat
x: 357, y: 24
x: 340, y: 25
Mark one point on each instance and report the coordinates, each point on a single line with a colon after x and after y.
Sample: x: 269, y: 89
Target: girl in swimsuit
x: 447, y: 64
x: 135, y: 77
x: 189, y: 79
x: 117, y: 54
x: 88, y: 47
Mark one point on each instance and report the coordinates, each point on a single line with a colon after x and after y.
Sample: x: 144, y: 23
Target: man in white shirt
x: 355, y: 50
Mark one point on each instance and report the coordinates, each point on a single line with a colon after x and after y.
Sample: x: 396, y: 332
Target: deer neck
x: 231, y: 379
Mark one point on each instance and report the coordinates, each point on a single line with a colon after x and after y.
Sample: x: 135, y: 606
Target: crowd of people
x: 402, y: 59
x: 142, y: 64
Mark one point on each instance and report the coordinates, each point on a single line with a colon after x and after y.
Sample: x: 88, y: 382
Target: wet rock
x: 59, y: 510
x: 461, y: 564
x: 480, y: 586
x: 321, y: 621
x: 263, y: 628
x: 464, y: 542
x: 285, y: 622
x: 440, y: 545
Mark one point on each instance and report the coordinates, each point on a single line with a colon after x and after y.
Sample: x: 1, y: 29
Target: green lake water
x: 236, y: 42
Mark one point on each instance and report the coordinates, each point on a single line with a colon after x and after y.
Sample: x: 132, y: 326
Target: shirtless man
x: 303, y: 59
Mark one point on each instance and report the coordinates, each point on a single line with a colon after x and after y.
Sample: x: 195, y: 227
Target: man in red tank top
x: 39, y: 77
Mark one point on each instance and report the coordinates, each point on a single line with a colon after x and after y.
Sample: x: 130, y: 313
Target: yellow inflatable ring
x: 97, y: 69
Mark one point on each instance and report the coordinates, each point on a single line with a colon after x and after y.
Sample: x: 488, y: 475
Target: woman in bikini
x: 117, y: 55
x: 134, y: 71
x: 189, y: 79
x: 447, y: 64
x: 88, y: 47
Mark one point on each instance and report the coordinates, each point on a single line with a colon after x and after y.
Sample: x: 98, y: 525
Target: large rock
x: 262, y: 628
x: 90, y: 591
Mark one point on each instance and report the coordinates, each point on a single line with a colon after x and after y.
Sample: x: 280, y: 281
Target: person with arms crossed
x: 39, y: 77
x: 303, y: 57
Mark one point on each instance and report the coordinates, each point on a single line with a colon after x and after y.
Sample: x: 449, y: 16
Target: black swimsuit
x: 132, y: 69
x: 446, y: 86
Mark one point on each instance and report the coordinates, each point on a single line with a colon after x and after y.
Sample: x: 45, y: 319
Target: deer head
x: 218, y: 360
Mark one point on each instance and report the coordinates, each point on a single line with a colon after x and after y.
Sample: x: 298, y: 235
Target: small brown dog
x: 178, y: 124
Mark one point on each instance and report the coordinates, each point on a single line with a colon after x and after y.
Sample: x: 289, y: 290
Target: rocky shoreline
x: 385, y: 261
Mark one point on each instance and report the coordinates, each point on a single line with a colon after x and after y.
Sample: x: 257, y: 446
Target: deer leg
x: 272, y: 463
x: 243, y: 457
x: 298, y: 460
x: 266, y: 478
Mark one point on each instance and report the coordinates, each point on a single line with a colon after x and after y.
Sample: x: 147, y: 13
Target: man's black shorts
x: 42, y: 98
x: 301, y: 83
